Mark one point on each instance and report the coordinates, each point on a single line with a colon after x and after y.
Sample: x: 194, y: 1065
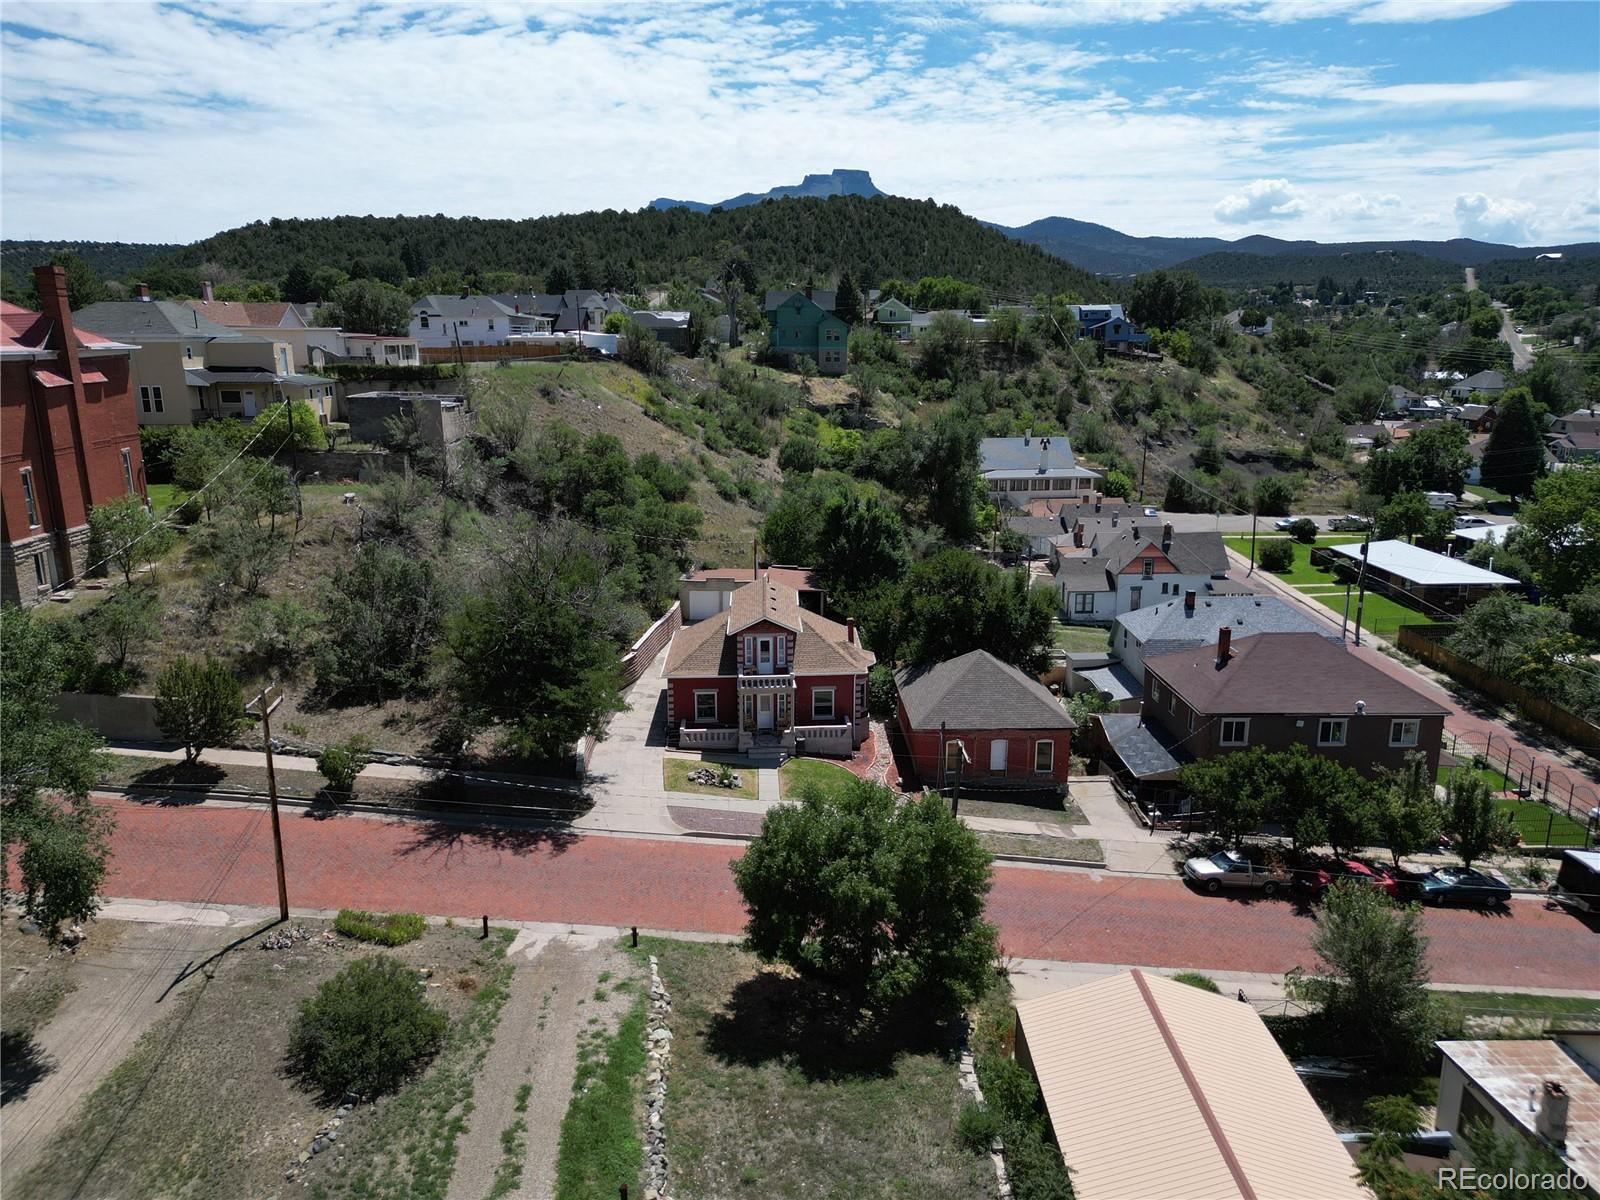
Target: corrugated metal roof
x: 1421, y: 566
x: 1160, y: 1091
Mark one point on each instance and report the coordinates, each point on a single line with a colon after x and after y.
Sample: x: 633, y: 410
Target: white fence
x: 707, y: 739
x: 827, y: 739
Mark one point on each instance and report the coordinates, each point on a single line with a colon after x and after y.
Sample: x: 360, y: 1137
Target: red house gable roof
x: 23, y: 329
x: 821, y: 646
x: 237, y: 314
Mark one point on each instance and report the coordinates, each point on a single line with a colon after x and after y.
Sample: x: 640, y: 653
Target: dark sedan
x: 1458, y: 885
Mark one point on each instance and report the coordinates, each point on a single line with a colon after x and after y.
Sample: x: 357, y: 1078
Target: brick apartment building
x: 69, y: 439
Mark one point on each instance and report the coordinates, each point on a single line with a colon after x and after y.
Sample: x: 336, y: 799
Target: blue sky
x: 1344, y: 119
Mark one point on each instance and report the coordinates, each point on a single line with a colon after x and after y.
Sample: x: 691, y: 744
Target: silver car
x: 1226, y: 869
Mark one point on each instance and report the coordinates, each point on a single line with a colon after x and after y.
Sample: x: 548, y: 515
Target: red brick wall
x: 844, y: 695
x: 683, y: 691
x: 924, y: 747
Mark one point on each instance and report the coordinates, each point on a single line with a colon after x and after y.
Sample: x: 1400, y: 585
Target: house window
x: 1403, y: 733
x: 953, y: 753
x: 150, y: 398
x: 188, y: 351
x: 423, y: 318
x: 229, y: 395
x: 822, y: 704
x: 28, y: 499
x: 705, y: 706
x: 832, y: 335
x: 1082, y: 602
x: 283, y: 361
x: 1236, y: 731
x: 1148, y: 569
x: 1044, y: 756
x: 127, y: 469
x: 1155, y: 692
x: 41, y: 573
x: 491, y: 324
x: 1331, y: 731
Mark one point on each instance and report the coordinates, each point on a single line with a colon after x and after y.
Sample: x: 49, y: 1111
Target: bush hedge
x: 1278, y: 555
x: 383, y: 929
x: 366, y: 1030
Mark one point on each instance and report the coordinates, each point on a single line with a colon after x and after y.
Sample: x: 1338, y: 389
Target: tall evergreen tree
x: 847, y: 303
x: 1514, y: 456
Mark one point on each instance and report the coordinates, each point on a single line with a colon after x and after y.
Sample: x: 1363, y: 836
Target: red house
x: 69, y: 439
x: 765, y: 672
x: 984, y: 721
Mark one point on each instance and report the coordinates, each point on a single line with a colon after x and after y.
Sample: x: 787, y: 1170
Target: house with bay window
x: 765, y: 672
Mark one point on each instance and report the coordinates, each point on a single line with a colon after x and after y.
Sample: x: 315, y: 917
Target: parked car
x: 1228, y: 869
x: 1470, y: 522
x: 1284, y: 522
x: 1350, y: 521
x: 1318, y: 879
x: 1460, y: 885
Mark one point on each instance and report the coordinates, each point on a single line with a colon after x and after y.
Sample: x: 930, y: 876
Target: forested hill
x: 1388, y: 272
x: 784, y: 240
x: 109, y: 259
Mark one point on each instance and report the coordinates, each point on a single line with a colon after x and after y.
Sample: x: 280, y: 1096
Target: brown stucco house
x: 1275, y: 690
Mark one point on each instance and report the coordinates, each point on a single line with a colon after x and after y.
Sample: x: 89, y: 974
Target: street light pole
x: 268, y: 700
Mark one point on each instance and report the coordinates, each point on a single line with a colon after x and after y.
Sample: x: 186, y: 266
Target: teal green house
x: 802, y: 322
x: 894, y: 318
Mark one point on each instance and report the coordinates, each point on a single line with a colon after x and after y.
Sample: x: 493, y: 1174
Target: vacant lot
x: 203, y: 1105
x: 770, y: 1097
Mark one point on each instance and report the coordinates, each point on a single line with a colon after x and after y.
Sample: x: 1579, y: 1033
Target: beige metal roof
x: 1160, y: 1091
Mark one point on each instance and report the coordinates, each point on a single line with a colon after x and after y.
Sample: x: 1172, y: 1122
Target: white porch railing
x: 827, y: 739
x: 770, y: 683
x: 708, y: 739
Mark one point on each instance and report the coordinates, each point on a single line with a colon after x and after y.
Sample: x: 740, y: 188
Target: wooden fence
x: 1426, y: 643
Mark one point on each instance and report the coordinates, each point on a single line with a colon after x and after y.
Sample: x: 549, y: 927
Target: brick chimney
x: 51, y: 284
x: 808, y: 291
x: 205, y: 291
x: 465, y: 292
x: 850, y: 631
x: 1044, y: 454
x: 144, y: 292
x: 1224, y: 643
x: 1077, y: 536
x: 1188, y: 603
x: 1166, y: 535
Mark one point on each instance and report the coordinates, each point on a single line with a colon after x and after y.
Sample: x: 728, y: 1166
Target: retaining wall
x: 643, y: 652
x: 115, y: 718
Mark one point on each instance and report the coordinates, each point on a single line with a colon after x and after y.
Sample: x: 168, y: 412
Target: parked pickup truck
x: 1226, y: 869
x: 1350, y: 521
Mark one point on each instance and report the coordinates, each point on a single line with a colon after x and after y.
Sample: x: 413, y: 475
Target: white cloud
x: 1356, y: 206
x: 1425, y: 10
x: 1575, y: 90
x: 1263, y: 200
x: 1495, y: 220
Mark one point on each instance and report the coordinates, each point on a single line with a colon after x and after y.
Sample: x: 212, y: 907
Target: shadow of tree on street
x: 22, y: 1064
x: 196, y: 779
x: 431, y: 838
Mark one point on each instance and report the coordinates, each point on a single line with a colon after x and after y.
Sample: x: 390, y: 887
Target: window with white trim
x: 423, y: 320
x: 28, y: 498
x: 1044, y: 756
x: 1083, y: 602
x: 1147, y: 569
x: 705, y: 706
x: 41, y: 572
x: 822, y: 704
x: 1331, y: 731
x: 1404, y: 733
x: 127, y: 469
x: 1235, y: 731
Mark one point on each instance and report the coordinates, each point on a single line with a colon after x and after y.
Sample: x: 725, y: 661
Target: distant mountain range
x: 834, y: 183
x: 1107, y: 251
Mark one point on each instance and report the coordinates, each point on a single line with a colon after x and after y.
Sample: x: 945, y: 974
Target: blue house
x: 1106, y: 323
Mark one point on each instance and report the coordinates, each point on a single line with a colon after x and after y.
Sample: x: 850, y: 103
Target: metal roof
x: 1023, y: 454
x: 1161, y: 1091
x: 1416, y: 565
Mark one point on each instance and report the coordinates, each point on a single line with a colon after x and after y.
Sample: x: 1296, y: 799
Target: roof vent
x: 1361, y: 708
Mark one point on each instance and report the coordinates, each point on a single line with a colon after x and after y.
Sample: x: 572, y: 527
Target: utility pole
x: 294, y: 447
x: 1344, y: 623
x: 271, y: 696
x: 1143, y: 458
x: 1361, y: 586
x: 1253, y: 517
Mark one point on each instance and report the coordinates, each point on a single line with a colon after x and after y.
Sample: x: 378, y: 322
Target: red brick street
x: 224, y: 856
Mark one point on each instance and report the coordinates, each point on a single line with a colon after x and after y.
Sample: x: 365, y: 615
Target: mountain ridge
x: 841, y: 181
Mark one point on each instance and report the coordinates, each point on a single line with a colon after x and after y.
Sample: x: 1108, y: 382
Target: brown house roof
x: 764, y: 600
x: 238, y: 313
x: 799, y: 578
x: 822, y: 647
x: 1286, y: 673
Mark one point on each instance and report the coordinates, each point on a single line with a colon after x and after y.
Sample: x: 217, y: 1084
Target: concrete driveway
x: 625, y: 773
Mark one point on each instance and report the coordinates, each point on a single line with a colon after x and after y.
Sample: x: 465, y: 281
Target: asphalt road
x: 223, y: 855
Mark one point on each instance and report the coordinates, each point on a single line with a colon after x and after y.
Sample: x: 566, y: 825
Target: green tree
x: 536, y: 644
x: 949, y: 350
x: 83, y: 283
x: 799, y: 456
x: 1410, y: 516
x: 561, y: 279
x: 243, y: 555
x: 861, y: 544
x: 880, y: 901
x: 1277, y: 555
x: 296, y: 284
x: 847, y: 300
x: 1274, y: 496
x: 946, y: 471
x: 954, y: 602
x: 341, y: 762
x: 1371, y: 979
x: 124, y: 622
x: 1236, y: 791
x: 59, y: 838
x: 1561, y: 530
x: 384, y: 616
x: 368, y: 306
x: 123, y: 534
x: 1478, y: 827
x: 295, y: 428
x: 1117, y: 484
x: 1513, y: 458
x: 1165, y: 299
x: 366, y: 1030
x: 277, y: 633
x: 1433, y: 459
x: 199, y: 703
x: 1410, y: 818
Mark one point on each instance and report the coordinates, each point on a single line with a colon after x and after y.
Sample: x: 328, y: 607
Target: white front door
x: 764, y: 656
x: 764, y: 712
x: 997, y: 756
x: 249, y: 398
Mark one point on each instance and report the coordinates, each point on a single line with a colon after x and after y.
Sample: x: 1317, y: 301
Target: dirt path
x: 552, y: 1003
x: 117, y: 996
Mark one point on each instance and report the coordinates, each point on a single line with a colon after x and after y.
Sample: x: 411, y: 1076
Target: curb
x: 535, y: 814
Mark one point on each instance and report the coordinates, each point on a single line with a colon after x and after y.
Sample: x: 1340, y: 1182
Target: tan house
x: 1156, y: 1090
x: 189, y: 368
x: 310, y: 345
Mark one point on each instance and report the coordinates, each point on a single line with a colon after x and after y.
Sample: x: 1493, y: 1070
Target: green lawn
x: 164, y: 496
x: 1489, y: 494
x: 1302, y: 571
x: 1090, y: 639
x: 1379, y: 614
x: 800, y: 771
x: 675, y: 778
x: 1541, y: 825
x: 1495, y: 778
x: 1523, y: 1004
x: 1031, y: 845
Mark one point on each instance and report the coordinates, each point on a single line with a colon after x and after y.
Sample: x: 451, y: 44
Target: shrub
x: 1035, y: 1166
x: 1009, y: 1088
x: 365, y: 1030
x: 199, y: 703
x: 881, y: 691
x: 382, y: 929
x: 977, y: 1126
x: 1304, y: 530
x: 341, y: 762
x: 1196, y: 980
x: 1278, y: 556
